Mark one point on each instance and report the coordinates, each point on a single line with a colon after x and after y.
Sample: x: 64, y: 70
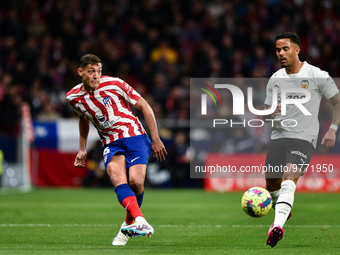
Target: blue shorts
x: 136, y: 150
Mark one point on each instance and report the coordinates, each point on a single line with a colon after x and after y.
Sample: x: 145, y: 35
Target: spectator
x: 49, y: 113
x: 179, y: 160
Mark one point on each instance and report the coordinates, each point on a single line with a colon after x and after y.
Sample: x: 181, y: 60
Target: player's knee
x: 290, y: 178
x: 271, y: 188
x: 273, y: 184
x: 113, y: 174
x: 136, y: 184
x: 117, y: 176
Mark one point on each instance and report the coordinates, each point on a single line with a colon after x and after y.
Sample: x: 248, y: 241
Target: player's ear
x: 297, y: 49
x: 80, y: 71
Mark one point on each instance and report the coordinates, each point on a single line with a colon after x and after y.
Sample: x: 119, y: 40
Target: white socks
x: 284, y: 202
x: 140, y: 219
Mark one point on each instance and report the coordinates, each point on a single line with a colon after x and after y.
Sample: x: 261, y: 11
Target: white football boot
x: 139, y: 228
x: 120, y: 238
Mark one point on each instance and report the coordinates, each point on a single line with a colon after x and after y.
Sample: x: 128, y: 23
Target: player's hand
x: 158, y: 149
x: 328, y: 140
x: 277, y: 111
x: 80, y: 159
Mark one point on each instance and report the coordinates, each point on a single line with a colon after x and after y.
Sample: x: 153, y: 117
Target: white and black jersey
x: 295, y: 123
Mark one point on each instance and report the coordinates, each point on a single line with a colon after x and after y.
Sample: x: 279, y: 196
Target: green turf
x: 84, y: 221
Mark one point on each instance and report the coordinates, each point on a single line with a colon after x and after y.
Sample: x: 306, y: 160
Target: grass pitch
x: 84, y: 221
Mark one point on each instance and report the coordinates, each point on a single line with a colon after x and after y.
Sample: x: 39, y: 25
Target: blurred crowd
x: 154, y: 45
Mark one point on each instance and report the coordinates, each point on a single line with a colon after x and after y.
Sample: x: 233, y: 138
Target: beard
x: 285, y: 65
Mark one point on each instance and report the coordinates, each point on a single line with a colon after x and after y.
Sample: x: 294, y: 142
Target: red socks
x: 129, y: 219
x: 131, y: 206
x: 130, y: 201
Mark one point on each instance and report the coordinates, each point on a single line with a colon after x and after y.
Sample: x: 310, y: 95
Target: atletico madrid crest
x: 107, y: 101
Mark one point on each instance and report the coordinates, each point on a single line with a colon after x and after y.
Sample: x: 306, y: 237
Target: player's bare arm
x: 157, y: 147
x: 277, y: 112
x: 329, y: 138
x: 84, y: 128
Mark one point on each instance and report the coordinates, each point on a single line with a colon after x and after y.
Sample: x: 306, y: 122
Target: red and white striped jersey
x: 108, y: 108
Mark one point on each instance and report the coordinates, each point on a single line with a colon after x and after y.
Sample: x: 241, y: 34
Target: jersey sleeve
x: 327, y: 85
x: 269, y: 93
x: 129, y: 94
x: 70, y: 98
x: 74, y: 109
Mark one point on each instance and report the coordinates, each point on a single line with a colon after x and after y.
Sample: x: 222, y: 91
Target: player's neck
x: 87, y: 89
x: 295, y: 68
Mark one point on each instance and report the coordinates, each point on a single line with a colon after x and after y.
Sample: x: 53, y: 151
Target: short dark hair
x: 89, y: 59
x: 289, y: 35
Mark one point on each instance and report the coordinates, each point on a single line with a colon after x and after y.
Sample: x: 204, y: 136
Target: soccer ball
x: 256, y: 202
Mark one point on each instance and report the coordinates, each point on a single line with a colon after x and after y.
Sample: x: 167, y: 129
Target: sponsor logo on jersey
x: 107, y: 101
x: 299, y: 153
x: 128, y: 88
x: 109, y: 123
x: 304, y: 84
x: 101, y: 118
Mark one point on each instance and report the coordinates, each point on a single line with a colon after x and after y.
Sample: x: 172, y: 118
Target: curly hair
x: 289, y: 35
